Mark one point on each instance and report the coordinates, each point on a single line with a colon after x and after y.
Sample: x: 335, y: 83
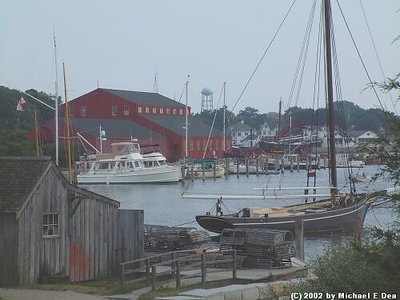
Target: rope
x: 302, y: 58
x: 213, y: 122
x: 376, y: 218
x: 262, y: 57
x: 316, y: 96
x: 178, y: 225
x: 376, y: 53
x: 359, y: 56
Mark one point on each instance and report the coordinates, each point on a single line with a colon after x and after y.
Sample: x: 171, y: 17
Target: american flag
x: 20, y: 104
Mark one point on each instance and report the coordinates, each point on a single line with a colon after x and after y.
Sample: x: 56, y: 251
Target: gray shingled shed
x: 50, y: 228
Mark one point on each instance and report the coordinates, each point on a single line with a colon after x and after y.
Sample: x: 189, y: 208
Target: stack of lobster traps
x: 260, y: 248
x: 166, y: 238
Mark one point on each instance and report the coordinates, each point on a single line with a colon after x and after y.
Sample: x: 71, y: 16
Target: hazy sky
x: 122, y: 44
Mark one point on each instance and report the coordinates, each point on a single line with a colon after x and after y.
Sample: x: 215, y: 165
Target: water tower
x: 206, y: 100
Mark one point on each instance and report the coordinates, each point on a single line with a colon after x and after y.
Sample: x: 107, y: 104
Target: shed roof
x: 113, y: 128
x: 18, y: 177
x: 144, y: 98
x: 176, y: 123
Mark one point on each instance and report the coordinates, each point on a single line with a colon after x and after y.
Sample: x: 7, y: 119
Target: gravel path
x: 18, y: 294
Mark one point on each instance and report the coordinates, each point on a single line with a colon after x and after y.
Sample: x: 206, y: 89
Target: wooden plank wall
x: 38, y: 256
x: 130, y: 234
x: 89, y: 242
x: 8, y: 250
x: 93, y: 240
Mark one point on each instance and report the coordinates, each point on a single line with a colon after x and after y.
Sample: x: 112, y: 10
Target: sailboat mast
x: 329, y: 91
x: 67, y: 129
x: 279, y: 120
x: 224, y: 128
x: 186, y: 119
x: 56, y: 100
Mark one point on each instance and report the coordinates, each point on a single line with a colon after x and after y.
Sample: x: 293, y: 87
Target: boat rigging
x: 337, y: 211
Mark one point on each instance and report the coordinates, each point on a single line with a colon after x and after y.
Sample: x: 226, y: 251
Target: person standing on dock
x: 219, y: 206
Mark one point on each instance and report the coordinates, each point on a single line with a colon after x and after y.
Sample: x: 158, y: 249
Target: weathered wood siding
x: 91, y: 234
x: 130, y: 234
x: 93, y: 248
x: 8, y: 250
x: 39, y: 256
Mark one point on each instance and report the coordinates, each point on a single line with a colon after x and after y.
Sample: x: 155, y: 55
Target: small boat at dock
x: 127, y: 165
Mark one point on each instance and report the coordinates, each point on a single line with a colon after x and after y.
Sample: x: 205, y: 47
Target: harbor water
x: 163, y: 204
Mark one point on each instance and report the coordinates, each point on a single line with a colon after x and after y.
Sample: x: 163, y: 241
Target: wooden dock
x: 200, y: 266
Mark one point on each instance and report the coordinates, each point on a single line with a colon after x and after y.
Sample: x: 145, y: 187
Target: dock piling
x: 299, y: 236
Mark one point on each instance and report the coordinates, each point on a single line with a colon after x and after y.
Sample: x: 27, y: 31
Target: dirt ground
x: 19, y: 294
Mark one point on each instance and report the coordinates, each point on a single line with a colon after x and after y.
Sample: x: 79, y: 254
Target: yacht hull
x: 162, y: 175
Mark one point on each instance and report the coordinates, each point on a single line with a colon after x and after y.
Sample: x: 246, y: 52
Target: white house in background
x: 239, y: 132
x: 250, y: 141
x: 353, y: 138
x: 245, y: 136
x: 367, y: 137
x: 267, y: 131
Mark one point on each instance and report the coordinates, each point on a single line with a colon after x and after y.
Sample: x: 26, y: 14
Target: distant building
x: 149, y: 117
x: 245, y: 136
x: 240, y: 133
x: 368, y: 137
x: 267, y: 131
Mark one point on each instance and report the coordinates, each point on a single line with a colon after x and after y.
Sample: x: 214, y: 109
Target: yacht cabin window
x: 103, y: 166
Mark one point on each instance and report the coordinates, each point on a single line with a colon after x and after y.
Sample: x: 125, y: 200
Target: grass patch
x: 103, y: 287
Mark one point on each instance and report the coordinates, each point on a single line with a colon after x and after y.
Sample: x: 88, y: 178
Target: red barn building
x: 149, y: 117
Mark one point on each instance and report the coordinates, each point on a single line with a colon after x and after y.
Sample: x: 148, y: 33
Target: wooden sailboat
x: 337, y: 212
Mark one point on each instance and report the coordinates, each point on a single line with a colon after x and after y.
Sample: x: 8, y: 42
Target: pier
x: 261, y: 165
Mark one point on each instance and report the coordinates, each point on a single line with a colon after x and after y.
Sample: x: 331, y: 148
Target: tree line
x: 16, y: 125
x: 348, y: 116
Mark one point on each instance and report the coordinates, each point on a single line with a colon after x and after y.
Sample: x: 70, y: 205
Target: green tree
x: 249, y: 116
x: 208, y: 117
x: 15, y: 143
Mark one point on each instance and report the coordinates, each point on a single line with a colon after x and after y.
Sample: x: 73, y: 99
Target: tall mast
x: 67, y: 129
x: 186, y: 118
x: 224, y: 128
x: 56, y: 99
x: 330, y: 106
x: 278, y: 134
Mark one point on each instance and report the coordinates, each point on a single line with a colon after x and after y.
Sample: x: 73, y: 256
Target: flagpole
x: 40, y: 101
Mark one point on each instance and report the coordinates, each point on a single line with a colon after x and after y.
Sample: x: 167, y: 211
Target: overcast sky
x: 122, y: 44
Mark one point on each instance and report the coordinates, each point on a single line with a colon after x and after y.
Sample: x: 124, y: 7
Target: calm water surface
x: 164, y: 205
